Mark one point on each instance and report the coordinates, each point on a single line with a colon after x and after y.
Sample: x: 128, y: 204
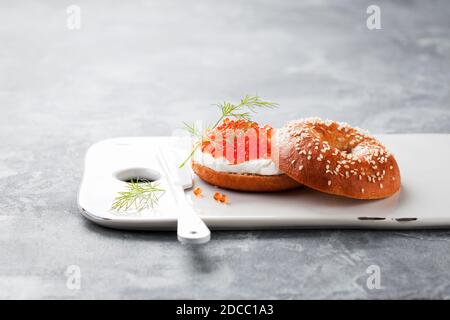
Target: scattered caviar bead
x: 217, y: 196
x: 198, y: 192
x: 223, y: 198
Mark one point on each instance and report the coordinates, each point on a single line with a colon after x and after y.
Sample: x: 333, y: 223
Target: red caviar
x: 239, y: 141
x: 217, y: 196
x: 220, y: 197
x: 223, y: 198
x: 198, y: 192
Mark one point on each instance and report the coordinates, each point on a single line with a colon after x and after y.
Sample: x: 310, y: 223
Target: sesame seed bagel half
x: 244, y: 182
x: 335, y: 158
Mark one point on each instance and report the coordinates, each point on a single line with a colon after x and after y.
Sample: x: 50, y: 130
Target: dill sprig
x: 140, y: 195
x: 251, y: 103
x: 243, y: 110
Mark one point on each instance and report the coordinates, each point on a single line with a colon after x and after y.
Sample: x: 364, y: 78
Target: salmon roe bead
x: 217, y: 196
x: 198, y: 192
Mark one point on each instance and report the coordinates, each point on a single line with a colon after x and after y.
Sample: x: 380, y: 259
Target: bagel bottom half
x: 244, y: 182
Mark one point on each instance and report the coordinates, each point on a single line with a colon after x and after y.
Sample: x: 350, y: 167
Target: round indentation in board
x: 137, y: 175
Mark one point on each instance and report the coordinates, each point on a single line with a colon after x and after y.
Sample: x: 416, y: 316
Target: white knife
x: 190, y: 228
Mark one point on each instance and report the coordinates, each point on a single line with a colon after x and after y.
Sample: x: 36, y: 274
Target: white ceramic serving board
x: 423, y: 201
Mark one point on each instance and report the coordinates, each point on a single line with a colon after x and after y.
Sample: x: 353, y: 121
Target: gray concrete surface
x: 139, y: 68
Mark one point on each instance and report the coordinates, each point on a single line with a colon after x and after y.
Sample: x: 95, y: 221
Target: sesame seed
x: 309, y: 158
x: 362, y: 190
x: 393, y: 178
x: 360, y: 177
x: 391, y: 167
x: 329, y: 182
x: 300, y: 168
x: 381, y: 186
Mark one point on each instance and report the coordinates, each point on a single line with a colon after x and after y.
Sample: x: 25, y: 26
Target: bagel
x: 335, y: 158
x: 244, y: 182
x: 237, y: 155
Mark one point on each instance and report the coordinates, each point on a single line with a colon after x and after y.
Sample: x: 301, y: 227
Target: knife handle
x: 190, y: 228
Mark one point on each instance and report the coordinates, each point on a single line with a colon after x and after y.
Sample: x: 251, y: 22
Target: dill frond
x: 140, y: 195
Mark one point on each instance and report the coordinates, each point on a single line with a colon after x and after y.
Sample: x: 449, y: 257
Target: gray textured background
x: 139, y: 68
